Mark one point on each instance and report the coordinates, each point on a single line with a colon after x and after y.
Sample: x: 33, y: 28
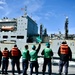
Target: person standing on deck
x: 5, y: 60
x: 33, y: 58
x: 48, y: 53
x: 65, y: 55
x: 15, y: 55
x: 25, y: 59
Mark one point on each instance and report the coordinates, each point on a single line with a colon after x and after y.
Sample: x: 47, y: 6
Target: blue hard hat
x: 33, y: 46
x: 48, y: 44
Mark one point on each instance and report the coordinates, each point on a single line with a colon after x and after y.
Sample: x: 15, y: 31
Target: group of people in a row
x: 31, y: 56
x: 14, y: 54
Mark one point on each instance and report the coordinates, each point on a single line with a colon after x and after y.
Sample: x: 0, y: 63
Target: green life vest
x: 47, y: 53
x: 33, y: 55
x: 25, y: 54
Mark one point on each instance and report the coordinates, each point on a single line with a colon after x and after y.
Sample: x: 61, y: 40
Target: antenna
x: 25, y: 12
x: 66, y: 28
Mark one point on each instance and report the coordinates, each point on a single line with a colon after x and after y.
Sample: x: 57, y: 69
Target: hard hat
x: 33, y: 46
x: 47, y: 44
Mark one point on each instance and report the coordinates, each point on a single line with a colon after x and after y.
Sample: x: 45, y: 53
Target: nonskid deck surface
x: 55, y: 69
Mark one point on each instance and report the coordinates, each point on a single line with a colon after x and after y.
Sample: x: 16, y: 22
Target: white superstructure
x: 17, y: 31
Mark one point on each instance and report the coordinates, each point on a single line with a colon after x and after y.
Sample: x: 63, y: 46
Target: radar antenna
x: 25, y: 12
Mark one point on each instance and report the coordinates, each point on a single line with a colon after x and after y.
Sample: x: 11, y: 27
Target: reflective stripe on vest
x: 5, y: 53
x: 64, y: 49
x: 14, y: 51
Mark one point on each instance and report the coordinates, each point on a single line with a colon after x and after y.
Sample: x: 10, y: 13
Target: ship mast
x: 66, y: 28
x: 25, y: 11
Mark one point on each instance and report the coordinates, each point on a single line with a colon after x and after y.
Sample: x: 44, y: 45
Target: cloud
x: 50, y: 14
x: 2, y: 2
x: 4, y: 7
x: 33, y: 8
x: 7, y: 13
x: 36, y: 18
x: 1, y: 7
x: 34, y: 5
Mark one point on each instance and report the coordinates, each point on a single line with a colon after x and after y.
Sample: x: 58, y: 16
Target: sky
x: 50, y: 13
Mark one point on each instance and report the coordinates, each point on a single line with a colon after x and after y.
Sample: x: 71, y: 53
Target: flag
x: 22, y: 8
x: 38, y: 39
